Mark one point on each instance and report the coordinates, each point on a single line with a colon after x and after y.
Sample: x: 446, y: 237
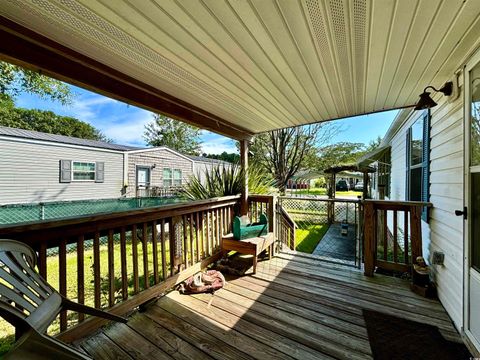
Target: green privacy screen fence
x: 21, y: 213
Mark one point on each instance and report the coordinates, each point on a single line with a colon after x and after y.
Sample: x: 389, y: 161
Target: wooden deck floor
x: 294, y: 307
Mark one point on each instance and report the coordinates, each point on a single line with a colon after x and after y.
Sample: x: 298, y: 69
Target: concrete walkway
x: 336, y: 246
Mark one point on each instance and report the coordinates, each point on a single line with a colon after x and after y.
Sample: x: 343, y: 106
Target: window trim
x: 424, y: 165
x: 84, y: 161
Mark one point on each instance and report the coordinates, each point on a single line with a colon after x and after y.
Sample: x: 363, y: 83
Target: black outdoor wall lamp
x: 426, y: 102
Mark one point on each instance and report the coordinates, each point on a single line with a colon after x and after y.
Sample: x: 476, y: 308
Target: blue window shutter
x: 65, y: 171
x: 426, y: 164
x: 99, y: 172
x: 407, y: 165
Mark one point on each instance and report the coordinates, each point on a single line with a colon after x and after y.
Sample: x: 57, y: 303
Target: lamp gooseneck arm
x: 430, y: 87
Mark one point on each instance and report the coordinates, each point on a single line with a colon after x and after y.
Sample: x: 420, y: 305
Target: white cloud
x: 216, y: 144
x: 128, y: 132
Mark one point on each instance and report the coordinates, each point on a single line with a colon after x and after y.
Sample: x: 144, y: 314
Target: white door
x: 143, y: 177
x: 472, y: 200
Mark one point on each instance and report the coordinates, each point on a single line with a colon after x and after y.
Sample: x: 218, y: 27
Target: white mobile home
x: 433, y: 155
x: 39, y: 167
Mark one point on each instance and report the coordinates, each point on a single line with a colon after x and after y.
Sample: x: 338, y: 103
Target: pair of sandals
x: 203, y: 282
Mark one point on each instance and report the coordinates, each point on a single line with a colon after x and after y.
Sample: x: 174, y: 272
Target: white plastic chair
x: 30, y: 304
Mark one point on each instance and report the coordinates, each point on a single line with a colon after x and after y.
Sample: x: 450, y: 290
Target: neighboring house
x: 40, y: 167
x: 202, y: 164
x: 433, y: 155
x: 156, y: 168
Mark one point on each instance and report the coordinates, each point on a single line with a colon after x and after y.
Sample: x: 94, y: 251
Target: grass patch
x: 323, y: 191
x: 7, y: 331
x: 307, y: 236
x: 312, y: 191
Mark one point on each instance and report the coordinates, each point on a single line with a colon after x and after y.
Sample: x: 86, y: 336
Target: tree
x: 283, y: 152
x: 15, y: 80
x: 342, y: 153
x: 47, y: 122
x: 373, y: 144
x: 228, y: 157
x: 163, y: 131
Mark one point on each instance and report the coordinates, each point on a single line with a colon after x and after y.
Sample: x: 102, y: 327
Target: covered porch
x: 295, y: 306
x: 237, y: 68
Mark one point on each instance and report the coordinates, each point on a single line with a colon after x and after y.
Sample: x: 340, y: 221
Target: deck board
x: 294, y: 307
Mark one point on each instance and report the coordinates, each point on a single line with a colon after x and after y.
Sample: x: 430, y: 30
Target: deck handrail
x: 144, y: 252
x: 106, y: 220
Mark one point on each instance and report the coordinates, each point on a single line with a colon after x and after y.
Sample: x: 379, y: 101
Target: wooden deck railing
x: 286, y: 228
x: 258, y: 204
x: 121, y: 260
x: 392, y: 234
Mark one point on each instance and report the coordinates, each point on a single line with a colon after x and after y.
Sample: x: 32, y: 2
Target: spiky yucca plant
x: 226, y: 180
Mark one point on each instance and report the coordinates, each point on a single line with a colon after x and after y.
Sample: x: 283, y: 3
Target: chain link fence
x: 328, y: 228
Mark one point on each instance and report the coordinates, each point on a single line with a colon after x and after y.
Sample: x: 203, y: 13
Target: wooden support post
x: 365, y: 185
x: 369, y: 239
x: 416, y: 231
x: 244, y: 165
x: 331, y: 204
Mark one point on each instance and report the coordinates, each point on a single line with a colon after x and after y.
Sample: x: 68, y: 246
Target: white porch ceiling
x: 266, y: 64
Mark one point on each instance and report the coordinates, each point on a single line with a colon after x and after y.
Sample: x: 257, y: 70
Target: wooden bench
x: 253, y: 246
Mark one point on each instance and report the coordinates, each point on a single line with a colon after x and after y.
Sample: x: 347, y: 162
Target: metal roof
x: 261, y: 65
x: 36, y: 135
x: 205, y: 159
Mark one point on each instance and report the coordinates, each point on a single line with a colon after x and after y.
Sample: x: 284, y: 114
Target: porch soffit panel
x: 265, y: 64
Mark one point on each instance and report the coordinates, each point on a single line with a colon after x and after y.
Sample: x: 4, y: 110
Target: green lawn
x: 307, y: 236
x: 7, y: 331
x: 323, y: 191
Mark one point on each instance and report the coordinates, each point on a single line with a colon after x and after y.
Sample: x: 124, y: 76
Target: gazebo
x: 333, y: 171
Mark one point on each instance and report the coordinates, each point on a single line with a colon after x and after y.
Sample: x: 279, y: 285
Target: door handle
x: 462, y: 213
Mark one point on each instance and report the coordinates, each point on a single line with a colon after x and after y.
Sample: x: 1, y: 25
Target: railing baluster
x: 111, y: 270
x: 217, y: 229
x: 155, y: 251
x: 192, y: 251
x: 42, y: 260
x: 62, y: 273
x: 185, y: 240
x: 146, y: 276
x: 385, y: 235
x: 208, y: 233
x: 162, y: 245
x: 136, y: 281
x: 405, y: 236
x: 96, y: 269
x: 197, y: 223
x: 395, y: 240
x: 123, y: 261
x: 172, y: 249
x: 81, y: 274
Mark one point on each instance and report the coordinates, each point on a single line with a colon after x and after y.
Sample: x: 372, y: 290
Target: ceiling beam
x: 31, y: 50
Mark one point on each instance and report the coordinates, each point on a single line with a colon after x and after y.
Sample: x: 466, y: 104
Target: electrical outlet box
x: 438, y: 258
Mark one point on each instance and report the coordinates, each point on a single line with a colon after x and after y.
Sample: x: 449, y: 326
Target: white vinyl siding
x: 30, y: 172
x: 157, y: 160
x: 445, y: 230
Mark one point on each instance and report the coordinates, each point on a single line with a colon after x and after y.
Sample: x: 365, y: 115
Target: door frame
x: 471, y: 63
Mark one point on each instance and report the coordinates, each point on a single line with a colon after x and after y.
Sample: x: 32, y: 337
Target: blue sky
x: 124, y: 124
